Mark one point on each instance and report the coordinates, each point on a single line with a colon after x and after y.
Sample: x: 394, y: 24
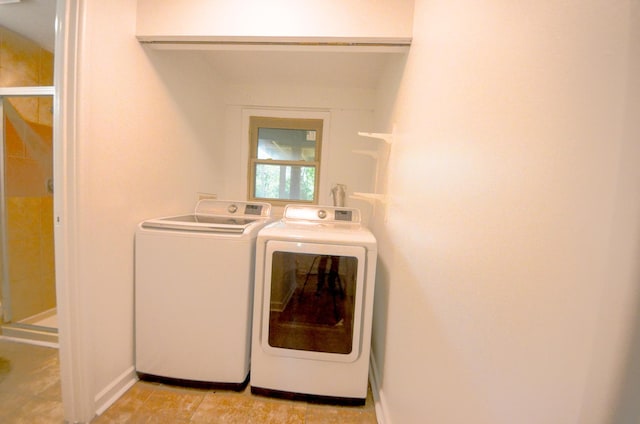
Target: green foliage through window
x: 284, y: 160
x: 274, y: 182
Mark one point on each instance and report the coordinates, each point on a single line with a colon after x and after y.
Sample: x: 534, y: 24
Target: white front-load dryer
x: 313, y: 305
x: 193, y: 293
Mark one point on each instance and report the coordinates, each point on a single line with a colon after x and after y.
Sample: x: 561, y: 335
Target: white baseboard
x: 115, y: 389
x: 378, y: 394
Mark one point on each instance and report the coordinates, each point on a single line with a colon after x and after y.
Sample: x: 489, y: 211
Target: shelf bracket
x: 369, y: 197
x: 388, y: 138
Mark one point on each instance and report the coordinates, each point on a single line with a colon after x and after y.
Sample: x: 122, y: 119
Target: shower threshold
x: 37, y: 329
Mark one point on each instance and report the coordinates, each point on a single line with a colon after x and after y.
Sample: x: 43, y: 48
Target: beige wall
x: 508, y: 278
x: 28, y: 165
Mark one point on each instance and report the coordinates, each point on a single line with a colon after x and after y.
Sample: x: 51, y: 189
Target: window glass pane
x: 312, y: 302
x: 287, y: 144
x: 284, y: 182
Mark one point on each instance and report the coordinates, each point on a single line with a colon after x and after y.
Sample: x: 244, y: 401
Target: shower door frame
x: 10, y: 92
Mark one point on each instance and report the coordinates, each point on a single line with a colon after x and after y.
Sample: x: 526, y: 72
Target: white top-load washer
x: 313, y: 305
x: 193, y: 293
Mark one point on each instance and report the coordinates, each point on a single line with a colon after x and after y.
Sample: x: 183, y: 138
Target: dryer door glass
x: 315, y: 299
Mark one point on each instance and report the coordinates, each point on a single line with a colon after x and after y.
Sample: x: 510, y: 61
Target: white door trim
x: 75, y: 367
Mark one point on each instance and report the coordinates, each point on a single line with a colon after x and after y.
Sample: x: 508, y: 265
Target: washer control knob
x: 322, y: 214
x: 232, y: 208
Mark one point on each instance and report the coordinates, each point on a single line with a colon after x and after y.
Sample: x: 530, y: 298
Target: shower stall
x: 27, y: 270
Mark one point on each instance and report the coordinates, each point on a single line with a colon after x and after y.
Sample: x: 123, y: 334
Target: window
x: 284, y: 159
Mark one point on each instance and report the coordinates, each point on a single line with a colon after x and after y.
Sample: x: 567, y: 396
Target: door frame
x: 75, y: 364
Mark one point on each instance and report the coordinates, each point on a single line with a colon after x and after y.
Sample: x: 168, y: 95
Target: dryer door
x: 312, y: 305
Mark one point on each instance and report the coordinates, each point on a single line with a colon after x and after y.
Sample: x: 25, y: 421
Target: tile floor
x: 157, y: 403
x: 30, y: 393
x: 29, y: 384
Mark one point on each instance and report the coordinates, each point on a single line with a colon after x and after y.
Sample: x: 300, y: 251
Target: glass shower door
x: 27, y: 268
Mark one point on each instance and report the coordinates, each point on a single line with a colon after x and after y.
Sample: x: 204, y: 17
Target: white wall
x: 508, y: 272
x: 347, y: 110
x: 228, y: 19
x: 147, y: 141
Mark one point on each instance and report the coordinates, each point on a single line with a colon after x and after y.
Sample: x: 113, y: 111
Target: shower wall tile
x: 44, y: 130
x: 31, y: 255
x: 24, y: 298
x: 45, y: 111
x: 25, y: 177
x: 46, y: 69
x: 27, y: 107
x: 25, y: 259
x: 24, y: 218
x: 32, y: 296
x: 48, y: 294
x: 46, y: 217
x: 27, y: 170
x: 48, y: 257
x: 22, y: 57
x: 14, y: 147
x: 19, y: 299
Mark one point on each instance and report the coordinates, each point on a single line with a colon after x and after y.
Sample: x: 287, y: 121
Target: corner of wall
x: 379, y: 397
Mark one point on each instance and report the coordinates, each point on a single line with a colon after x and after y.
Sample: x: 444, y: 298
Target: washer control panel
x: 233, y: 208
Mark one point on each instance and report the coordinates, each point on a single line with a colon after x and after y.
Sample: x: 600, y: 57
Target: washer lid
x: 220, y: 216
x: 203, y: 223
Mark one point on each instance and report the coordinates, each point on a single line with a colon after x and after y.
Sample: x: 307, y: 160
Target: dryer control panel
x: 321, y: 214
